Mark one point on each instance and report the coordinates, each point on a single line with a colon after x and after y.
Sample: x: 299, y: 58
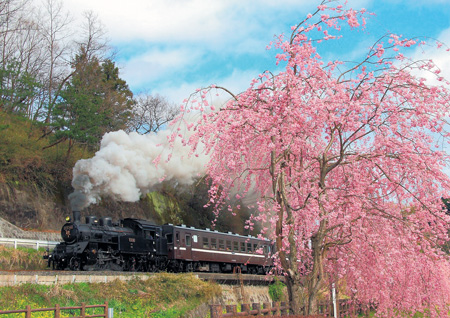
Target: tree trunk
x: 312, y: 304
x: 315, y: 279
x: 296, y: 296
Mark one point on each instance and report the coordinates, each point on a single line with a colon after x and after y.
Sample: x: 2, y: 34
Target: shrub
x: 276, y: 291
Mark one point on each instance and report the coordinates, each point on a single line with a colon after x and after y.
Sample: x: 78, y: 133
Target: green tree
x: 118, y: 99
x: 18, y: 89
x: 94, y: 101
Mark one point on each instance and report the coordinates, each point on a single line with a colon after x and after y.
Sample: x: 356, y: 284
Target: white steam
x: 126, y: 166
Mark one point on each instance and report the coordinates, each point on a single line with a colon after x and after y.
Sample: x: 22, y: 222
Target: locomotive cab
x: 148, y: 236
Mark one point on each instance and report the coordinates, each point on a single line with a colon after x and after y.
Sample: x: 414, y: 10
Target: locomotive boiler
x: 140, y: 245
x: 100, y: 244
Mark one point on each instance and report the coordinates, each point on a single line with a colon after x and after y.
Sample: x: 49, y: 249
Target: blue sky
x: 172, y: 47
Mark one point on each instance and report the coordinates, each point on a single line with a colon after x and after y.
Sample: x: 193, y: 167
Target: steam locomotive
x: 139, y: 245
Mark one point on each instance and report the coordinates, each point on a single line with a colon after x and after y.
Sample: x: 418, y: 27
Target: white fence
x: 28, y: 243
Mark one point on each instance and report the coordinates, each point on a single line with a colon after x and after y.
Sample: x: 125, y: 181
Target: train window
x: 221, y: 245
x: 228, y: 245
x: 249, y: 248
x: 149, y: 234
x: 169, y: 238
x: 235, y: 246
x: 195, y: 238
x: 243, y: 247
x: 214, y: 243
x: 205, y: 242
x: 266, y: 249
x: 255, y: 246
x: 188, y: 240
x: 178, y: 237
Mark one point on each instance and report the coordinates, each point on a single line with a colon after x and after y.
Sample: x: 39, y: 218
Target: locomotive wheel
x: 74, y: 263
x: 132, y: 265
x: 157, y: 266
x: 189, y: 267
x: 120, y: 263
x: 177, y: 266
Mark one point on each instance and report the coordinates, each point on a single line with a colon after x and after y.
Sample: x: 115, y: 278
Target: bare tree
x: 93, y: 40
x: 151, y: 113
x: 56, y: 32
x: 11, y: 16
x: 21, y: 52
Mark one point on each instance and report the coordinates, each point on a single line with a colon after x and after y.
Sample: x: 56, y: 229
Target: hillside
x: 29, y: 208
x: 35, y: 182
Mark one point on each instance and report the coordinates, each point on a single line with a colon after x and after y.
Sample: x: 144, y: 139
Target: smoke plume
x: 129, y: 165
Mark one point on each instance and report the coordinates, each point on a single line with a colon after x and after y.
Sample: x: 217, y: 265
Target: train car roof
x: 184, y: 227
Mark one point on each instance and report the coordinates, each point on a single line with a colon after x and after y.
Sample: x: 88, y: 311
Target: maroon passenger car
x: 191, y: 249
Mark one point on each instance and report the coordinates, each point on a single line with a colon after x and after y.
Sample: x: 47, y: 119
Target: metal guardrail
x: 28, y: 243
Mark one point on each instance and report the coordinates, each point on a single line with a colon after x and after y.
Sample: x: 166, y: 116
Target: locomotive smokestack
x: 76, y: 216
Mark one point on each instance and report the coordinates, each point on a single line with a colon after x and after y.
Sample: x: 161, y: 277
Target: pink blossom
x: 379, y: 50
x: 353, y: 22
x: 343, y: 162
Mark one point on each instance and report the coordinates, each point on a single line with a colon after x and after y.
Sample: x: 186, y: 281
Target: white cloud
x: 159, y: 20
x: 195, y: 21
x: 440, y: 57
x: 236, y: 83
x: 153, y: 20
x: 176, y: 35
x: 155, y: 63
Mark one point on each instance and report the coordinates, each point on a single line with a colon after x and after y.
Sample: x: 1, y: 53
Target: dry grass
x: 21, y: 258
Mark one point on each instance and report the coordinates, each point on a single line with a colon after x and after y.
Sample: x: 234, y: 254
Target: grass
x: 163, y: 295
x: 21, y: 258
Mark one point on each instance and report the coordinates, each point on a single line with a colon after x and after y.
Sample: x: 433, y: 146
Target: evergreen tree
x: 95, y: 100
x: 18, y: 89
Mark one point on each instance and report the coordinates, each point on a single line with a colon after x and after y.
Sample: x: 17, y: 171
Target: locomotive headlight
x: 67, y: 218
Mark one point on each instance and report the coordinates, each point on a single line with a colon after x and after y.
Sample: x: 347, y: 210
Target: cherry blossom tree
x: 348, y: 161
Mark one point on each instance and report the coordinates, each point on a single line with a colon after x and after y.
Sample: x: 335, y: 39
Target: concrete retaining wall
x: 13, y: 279
x: 9, y: 230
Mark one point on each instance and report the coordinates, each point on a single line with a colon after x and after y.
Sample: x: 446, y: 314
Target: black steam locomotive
x: 139, y: 245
